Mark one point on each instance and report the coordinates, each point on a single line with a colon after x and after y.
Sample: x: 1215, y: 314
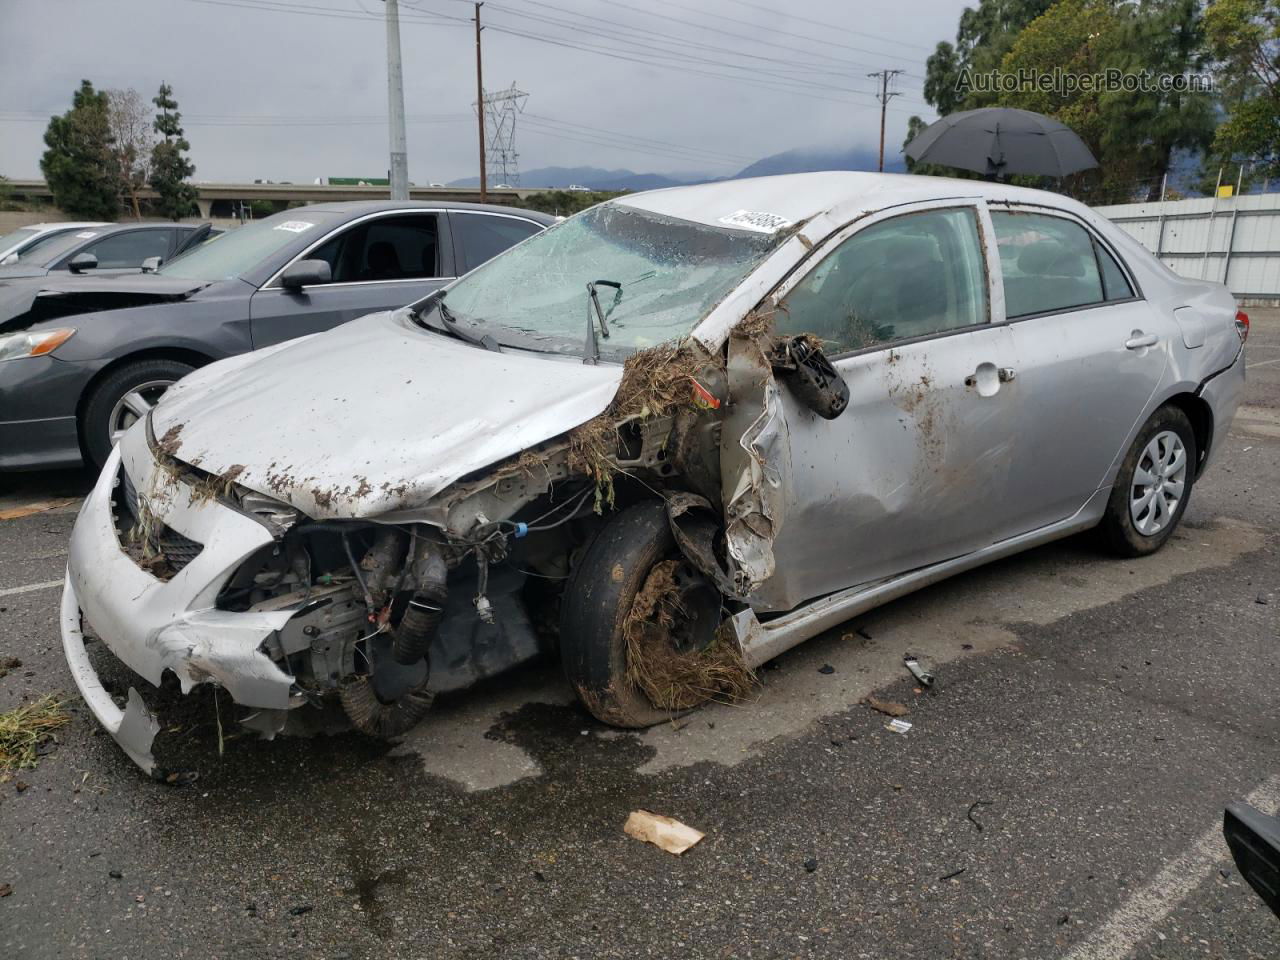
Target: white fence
x: 1234, y: 240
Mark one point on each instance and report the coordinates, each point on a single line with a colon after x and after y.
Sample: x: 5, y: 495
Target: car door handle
x: 1137, y: 340
x: 1003, y: 374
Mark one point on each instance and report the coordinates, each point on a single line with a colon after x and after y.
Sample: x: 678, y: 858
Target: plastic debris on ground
x: 665, y: 832
x: 923, y: 676
x: 898, y: 726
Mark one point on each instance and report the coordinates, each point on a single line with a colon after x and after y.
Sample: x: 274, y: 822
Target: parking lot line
x: 30, y: 588
x: 1139, y: 915
x: 1261, y: 363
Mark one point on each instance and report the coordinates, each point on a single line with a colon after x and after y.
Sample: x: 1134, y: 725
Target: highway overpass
x: 228, y: 196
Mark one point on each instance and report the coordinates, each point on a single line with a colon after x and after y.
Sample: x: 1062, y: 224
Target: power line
x: 720, y: 16
x: 332, y: 13
x: 605, y: 140
x: 701, y: 45
x: 615, y: 53
x: 831, y: 26
x: 591, y: 128
x: 678, y: 55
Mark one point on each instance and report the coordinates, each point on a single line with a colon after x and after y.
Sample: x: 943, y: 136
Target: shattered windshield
x: 662, y: 277
x: 237, y: 251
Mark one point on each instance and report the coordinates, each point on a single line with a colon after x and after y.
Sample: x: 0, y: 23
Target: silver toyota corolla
x: 663, y: 441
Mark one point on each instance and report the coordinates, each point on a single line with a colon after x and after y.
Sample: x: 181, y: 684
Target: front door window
x: 911, y: 276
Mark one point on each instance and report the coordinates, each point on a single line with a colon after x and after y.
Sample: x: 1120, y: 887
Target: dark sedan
x: 109, y: 249
x: 82, y: 358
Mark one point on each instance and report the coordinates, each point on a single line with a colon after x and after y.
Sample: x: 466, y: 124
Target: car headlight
x: 33, y: 343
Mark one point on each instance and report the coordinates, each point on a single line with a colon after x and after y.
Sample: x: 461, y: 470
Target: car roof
x: 843, y: 194
x: 65, y: 225
x: 377, y: 206
x: 109, y: 228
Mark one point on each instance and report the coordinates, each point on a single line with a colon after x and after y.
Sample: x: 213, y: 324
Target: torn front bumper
x: 154, y: 625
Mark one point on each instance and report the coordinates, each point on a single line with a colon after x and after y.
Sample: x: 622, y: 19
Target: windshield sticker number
x: 295, y: 226
x: 86, y: 235
x: 756, y: 220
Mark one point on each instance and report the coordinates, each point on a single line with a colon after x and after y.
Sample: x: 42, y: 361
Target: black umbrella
x: 1001, y: 140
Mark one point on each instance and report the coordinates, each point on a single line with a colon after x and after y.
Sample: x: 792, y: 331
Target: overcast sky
x: 296, y: 89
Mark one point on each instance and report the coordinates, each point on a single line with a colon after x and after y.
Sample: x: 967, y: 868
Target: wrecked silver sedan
x: 665, y: 441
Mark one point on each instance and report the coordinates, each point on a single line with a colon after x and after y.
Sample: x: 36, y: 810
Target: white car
x: 698, y: 426
x: 26, y: 239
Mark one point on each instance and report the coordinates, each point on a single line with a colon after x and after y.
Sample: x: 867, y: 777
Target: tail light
x: 1242, y: 324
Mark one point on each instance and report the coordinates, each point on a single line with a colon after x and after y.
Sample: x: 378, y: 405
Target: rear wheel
x: 1153, y: 485
x: 123, y: 398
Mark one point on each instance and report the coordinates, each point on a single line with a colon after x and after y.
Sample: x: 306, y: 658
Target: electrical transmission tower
x: 502, y: 163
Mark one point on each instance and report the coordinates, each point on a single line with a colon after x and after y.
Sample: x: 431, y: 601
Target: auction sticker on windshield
x: 295, y: 226
x: 756, y: 220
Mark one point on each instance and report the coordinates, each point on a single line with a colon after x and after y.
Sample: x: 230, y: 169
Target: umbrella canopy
x: 1000, y: 141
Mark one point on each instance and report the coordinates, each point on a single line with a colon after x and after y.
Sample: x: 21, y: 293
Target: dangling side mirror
x: 800, y: 363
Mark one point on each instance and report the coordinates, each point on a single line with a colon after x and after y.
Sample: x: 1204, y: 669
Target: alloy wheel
x: 135, y: 405
x: 1158, y: 483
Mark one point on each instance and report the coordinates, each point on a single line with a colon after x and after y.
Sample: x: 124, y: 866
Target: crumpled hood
x: 30, y: 300
x: 374, y: 416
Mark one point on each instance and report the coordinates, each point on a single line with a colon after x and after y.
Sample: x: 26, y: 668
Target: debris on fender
x: 898, y: 726
x: 665, y: 832
x: 923, y: 676
x: 888, y: 707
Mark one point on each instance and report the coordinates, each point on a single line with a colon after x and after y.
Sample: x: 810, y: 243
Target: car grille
x: 169, y: 551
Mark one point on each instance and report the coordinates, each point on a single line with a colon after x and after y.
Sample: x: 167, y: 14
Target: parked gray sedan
x: 82, y: 358
x: 108, y: 248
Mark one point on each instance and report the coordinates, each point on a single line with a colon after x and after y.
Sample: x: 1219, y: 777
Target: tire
x: 150, y: 377
x: 1126, y: 529
x: 594, y: 609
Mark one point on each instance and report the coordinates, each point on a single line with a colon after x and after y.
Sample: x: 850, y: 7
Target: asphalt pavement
x: 1059, y: 793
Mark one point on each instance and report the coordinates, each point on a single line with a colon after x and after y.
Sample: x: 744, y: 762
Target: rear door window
x: 911, y: 276
x: 1048, y: 264
x: 479, y: 236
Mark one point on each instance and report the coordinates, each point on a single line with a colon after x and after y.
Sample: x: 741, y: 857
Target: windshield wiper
x: 591, y: 349
x: 454, y: 329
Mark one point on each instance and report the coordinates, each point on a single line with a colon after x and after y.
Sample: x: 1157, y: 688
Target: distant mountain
x: 799, y: 160
x: 593, y: 177
x: 811, y: 159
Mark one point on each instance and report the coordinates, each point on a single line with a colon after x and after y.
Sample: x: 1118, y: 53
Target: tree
x: 984, y: 36
x: 170, y: 167
x: 1163, y: 38
x: 78, y: 165
x: 132, y: 142
x: 1244, y: 40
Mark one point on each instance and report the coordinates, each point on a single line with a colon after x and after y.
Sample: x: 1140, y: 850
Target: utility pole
x: 399, y: 174
x: 884, y: 96
x: 484, y: 186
